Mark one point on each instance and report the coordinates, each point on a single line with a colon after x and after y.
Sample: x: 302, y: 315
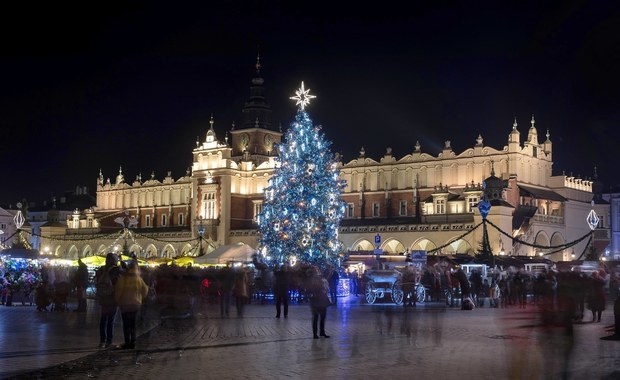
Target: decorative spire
x: 514, y: 124
x: 226, y: 138
x: 197, y: 141
x: 548, y: 135
x: 362, y: 152
x: 533, y: 122
x: 232, y: 127
x: 417, y: 146
x: 258, y: 64
x: 479, y: 140
x: 211, y: 122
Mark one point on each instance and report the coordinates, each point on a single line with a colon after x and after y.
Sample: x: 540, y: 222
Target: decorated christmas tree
x: 302, y: 207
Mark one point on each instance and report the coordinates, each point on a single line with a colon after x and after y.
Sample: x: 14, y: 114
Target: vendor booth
x: 225, y: 254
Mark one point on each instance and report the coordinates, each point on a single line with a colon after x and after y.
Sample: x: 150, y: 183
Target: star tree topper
x: 302, y: 97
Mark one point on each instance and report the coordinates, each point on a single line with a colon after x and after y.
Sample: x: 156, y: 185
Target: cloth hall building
x: 415, y: 202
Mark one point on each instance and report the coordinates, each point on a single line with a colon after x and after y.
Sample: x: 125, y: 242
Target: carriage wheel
x: 370, y: 294
x: 420, y: 292
x: 397, y: 293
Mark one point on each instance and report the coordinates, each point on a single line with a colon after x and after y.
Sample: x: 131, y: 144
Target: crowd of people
x: 174, y: 291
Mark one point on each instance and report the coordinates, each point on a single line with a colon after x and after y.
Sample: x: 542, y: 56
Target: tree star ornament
x: 302, y: 97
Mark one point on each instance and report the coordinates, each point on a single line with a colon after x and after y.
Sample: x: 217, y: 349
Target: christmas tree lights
x: 302, y: 207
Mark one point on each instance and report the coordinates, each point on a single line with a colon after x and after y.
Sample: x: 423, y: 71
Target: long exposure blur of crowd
x: 179, y: 287
x: 552, y: 300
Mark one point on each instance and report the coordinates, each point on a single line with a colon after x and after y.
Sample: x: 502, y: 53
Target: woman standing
x: 319, y: 300
x: 241, y: 290
x: 130, y: 292
x: 596, y: 298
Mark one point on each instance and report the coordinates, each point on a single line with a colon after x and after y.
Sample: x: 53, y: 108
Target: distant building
x: 7, y: 228
x: 415, y: 202
x: 613, y: 197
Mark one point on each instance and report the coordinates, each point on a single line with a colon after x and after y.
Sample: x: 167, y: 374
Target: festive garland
x: 453, y: 240
x: 560, y: 247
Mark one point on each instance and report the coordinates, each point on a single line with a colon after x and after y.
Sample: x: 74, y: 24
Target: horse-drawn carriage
x: 378, y: 283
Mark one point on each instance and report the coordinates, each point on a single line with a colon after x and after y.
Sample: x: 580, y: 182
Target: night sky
x: 93, y: 85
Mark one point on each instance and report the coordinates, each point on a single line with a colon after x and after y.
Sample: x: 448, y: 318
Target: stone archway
x: 393, y: 246
x: 135, y: 248
x: 73, y: 253
x: 188, y: 250
x: 458, y: 246
x: 169, y: 251
x: 542, y: 239
x: 423, y: 244
x: 362, y: 245
x: 150, y: 251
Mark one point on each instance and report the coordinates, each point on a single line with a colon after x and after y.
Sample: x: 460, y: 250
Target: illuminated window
x: 258, y: 208
x: 440, y: 206
x: 350, y: 210
x: 472, y: 202
x: 208, y: 206
x: 402, y: 209
x: 376, y: 209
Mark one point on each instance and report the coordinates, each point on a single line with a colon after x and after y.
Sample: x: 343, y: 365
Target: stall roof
x: 226, y: 253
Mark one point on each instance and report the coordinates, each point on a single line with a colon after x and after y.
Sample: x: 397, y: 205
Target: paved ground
x: 366, y: 341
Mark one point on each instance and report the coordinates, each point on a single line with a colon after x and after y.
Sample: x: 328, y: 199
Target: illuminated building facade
x: 415, y: 202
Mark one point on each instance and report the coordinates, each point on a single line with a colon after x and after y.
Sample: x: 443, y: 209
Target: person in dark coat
x: 333, y: 278
x: 465, y: 289
x: 108, y: 301
x: 226, y: 282
x: 81, y: 283
x: 281, y: 289
x: 319, y: 300
x: 596, y: 296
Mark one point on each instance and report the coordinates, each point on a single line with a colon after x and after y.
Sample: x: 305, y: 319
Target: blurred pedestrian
x: 106, y: 279
x: 281, y: 290
x: 81, y: 283
x: 226, y: 281
x: 241, y: 290
x: 466, y: 301
x: 319, y: 300
x: 333, y: 278
x: 596, y: 296
x: 409, y: 285
x: 130, y: 292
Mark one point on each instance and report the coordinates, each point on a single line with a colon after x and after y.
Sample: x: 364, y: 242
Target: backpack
x: 105, y: 288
